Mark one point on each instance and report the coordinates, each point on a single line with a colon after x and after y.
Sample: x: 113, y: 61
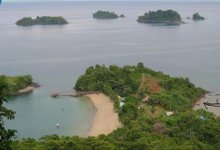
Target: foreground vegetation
x: 145, y: 125
x: 197, y: 17
x: 165, y: 17
x: 5, y: 134
x: 16, y: 83
x: 45, y: 20
x: 183, y: 131
x: 106, y: 15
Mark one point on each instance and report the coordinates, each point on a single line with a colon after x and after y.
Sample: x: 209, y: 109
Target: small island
x: 45, y: 20
x: 18, y: 85
x: 167, y: 17
x: 122, y: 16
x: 106, y: 15
x: 197, y: 17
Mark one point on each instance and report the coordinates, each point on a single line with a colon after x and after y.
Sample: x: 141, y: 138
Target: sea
x: 57, y: 55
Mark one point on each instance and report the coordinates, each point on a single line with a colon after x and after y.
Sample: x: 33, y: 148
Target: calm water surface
x: 57, y: 55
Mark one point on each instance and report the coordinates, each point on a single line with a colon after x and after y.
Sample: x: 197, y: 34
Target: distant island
x: 45, y: 20
x: 168, y: 17
x: 106, y: 15
x: 18, y: 85
x: 197, y: 17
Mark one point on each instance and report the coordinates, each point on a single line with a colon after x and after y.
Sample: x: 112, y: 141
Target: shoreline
x: 106, y: 120
x: 209, y: 96
x: 26, y: 90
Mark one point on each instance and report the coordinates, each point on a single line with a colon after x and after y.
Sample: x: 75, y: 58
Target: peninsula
x: 45, y: 20
x: 167, y: 17
x: 18, y: 85
x: 106, y: 15
x: 197, y: 17
x: 140, y: 82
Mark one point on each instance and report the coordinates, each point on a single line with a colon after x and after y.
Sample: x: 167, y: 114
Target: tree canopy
x: 5, y: 134
x: 160, y: 16
x: 105, y: 15
x: 145, y: 125
x: 15, y: 83
x: 175, y: 93
x: 45, y: 20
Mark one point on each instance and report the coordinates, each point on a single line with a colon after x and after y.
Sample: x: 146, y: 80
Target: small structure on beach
x: 121, y: 104
x: 145, y: 99
x: 121, y: 98
x: 169, y: 113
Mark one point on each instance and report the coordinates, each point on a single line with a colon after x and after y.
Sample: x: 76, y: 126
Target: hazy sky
x: 100, y: 0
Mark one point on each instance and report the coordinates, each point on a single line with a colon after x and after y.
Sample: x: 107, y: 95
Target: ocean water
x: 57, y: 55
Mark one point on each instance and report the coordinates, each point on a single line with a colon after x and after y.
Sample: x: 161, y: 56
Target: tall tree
x: 5, y: 134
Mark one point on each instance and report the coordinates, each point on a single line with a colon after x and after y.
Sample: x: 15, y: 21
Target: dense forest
x: 171, y: 93
x: 160, y: 16
x: 106, y: 15
x: 145, y: 125
x: 16, y: 83
x: 45, y: 20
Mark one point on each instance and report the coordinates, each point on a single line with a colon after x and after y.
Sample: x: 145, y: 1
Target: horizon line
x: 50, y: 1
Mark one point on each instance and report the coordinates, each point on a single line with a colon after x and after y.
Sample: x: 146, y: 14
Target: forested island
x: 45, y: 20
x: 146, y: 94
x: 167, y: 17
x: 17, y: 85
x: 197, y: 17
x: 106, y: 15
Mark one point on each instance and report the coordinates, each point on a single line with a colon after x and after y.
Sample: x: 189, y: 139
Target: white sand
x: 26, y: 90
x: 106, y: 119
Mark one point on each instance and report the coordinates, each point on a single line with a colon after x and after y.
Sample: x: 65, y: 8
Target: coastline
x: 209, y: 97
x: 106, y: 119
x: 26, y: 90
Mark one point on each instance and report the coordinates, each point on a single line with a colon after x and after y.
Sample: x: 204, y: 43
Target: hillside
x: 171, y: 93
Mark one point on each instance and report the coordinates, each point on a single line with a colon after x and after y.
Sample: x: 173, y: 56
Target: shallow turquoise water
x: 57, y: 55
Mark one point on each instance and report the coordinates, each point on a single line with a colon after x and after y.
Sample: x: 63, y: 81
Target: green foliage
x: 5, y: 134
x: 26, y: 21
x: 16, y: 83
x: 196, y: 17
x: 45, y: 20
x: 160, y: 16
x: 176, y: 94
x: 105, y: 15
x: 185, y: 130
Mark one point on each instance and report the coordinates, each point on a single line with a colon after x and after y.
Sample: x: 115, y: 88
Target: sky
x: 98, y: 0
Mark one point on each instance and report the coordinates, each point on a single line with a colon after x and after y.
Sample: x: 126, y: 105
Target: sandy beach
x: 106, y: 119
x: 208, y: 98
x: 27, y: 89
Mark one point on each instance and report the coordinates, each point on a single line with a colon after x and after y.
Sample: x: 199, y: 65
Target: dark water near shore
x: 56, y: 55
